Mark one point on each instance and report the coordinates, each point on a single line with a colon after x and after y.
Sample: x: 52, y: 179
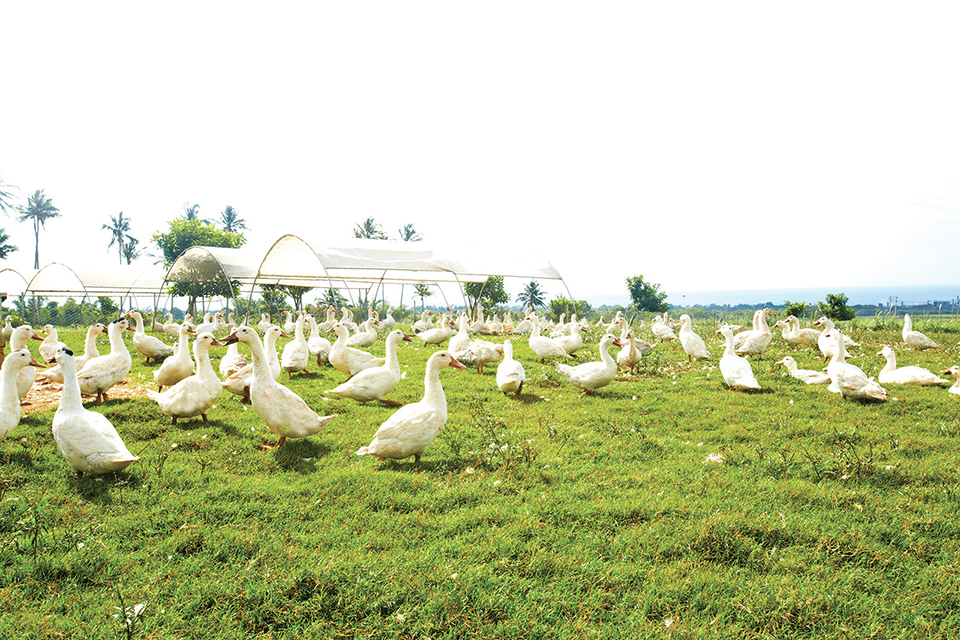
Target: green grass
x: 548, y: 516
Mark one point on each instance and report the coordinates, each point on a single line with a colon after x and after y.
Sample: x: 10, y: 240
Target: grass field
x: 551, y: 515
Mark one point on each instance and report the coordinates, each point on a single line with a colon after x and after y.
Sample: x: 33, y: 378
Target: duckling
x: 808, y: 376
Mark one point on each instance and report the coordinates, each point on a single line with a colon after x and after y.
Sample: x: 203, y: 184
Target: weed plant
x: 663, y: 505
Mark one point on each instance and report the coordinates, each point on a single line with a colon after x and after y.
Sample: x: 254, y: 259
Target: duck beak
x: 406, y: 338
x: 456, y: 363
x: 33, y: 362
x: 230, y: 339
x: 216, y: 343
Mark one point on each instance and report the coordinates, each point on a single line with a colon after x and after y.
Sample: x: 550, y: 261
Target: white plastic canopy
x: 361, y: 263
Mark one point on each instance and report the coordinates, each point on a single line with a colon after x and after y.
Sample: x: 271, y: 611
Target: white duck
x: 826, y: 341
x: 296, y: 353
x: 644, y: 347
x: 913, y: 338
x: 890, y: 374
x: 478, y: 353
x: 50, y: 344
x: 9, y: 400
x: 955, y: 372
x: 100, y: 374
x: 178, y: 366
x: 318, y: 345
x: 170, y: 327
x: 284, y: 412
x: 350, y: 360
x: 376, y: 382
x: 757, y: 341
x: 424, y: 323
x: 366, y: 335
x: 411, y: 429
x: 573, y: 341
x: 239, y: 382
x: 155, y: 325
x: 661, y: 330
x: 692, y: 344
x: 289, y: 324
x: 151, y: 347
x: 804, y: 336
x: 590, y: 376
x: 232, y: 361
x: 736, y: 370
x: 545, y: 348
x: 808, y: 376
x: 18, y: 340
x: 629, y: 356
x: 510, y: 373
x: 196, y: 394
x: 848, y: 379
x: 7, y: 329
x: 85, y: 438
x: 389, y: 322
x: 330, y: 321
x: 264, y: 323
x: 438, y: 335
x: 55, y: 374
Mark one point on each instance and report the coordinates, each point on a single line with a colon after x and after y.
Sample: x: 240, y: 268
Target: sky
x: 705, y: 146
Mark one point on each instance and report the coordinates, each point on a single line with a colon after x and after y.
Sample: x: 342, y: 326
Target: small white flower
x: 453, y: 576
x: 715, y: 458
x: 496, y: 483
x: 79, y: 545
x: 400, y: 617
x: 667, y: 622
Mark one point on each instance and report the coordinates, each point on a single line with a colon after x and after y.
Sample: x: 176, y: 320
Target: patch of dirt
x: 44, y: 395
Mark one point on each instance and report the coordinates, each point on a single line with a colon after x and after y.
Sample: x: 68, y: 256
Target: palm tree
x: 130, y: 252
x: 409, y: 234
x: 5, y: 247
x: 369, y: 229
x: 231, y: 221
x: 39, y: 209
x: 6, y: 196
x: 192, y: 212
x: 119, y: 229
x: 421, y: 290
x: 531, y: 295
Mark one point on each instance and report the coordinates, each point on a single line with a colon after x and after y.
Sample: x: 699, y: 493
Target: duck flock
x: 188, y: 386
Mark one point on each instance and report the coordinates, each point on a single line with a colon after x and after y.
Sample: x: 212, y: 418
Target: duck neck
x: 10, y: 399
x: 70, y: 400
x: 115, y: 333
x: 432, y: 389
x: 90, y: 344
x: 729, y: 350
x: 202, y: 356
x: 261, y: 366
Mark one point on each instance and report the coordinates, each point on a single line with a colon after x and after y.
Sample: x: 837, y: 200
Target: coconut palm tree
x: 409, y: 234
x: 5, y: 247
x: 6, y: 197
x: 532, y: 296
x: 130, y: 250
x: 369, y: 229
x: 39, y: 209
x: 119, y: 229
x: 230, y: 221
x: 192, y: 212
x: 421, y: 290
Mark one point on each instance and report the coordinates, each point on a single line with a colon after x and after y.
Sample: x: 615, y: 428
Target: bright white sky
x: 706, y: 146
